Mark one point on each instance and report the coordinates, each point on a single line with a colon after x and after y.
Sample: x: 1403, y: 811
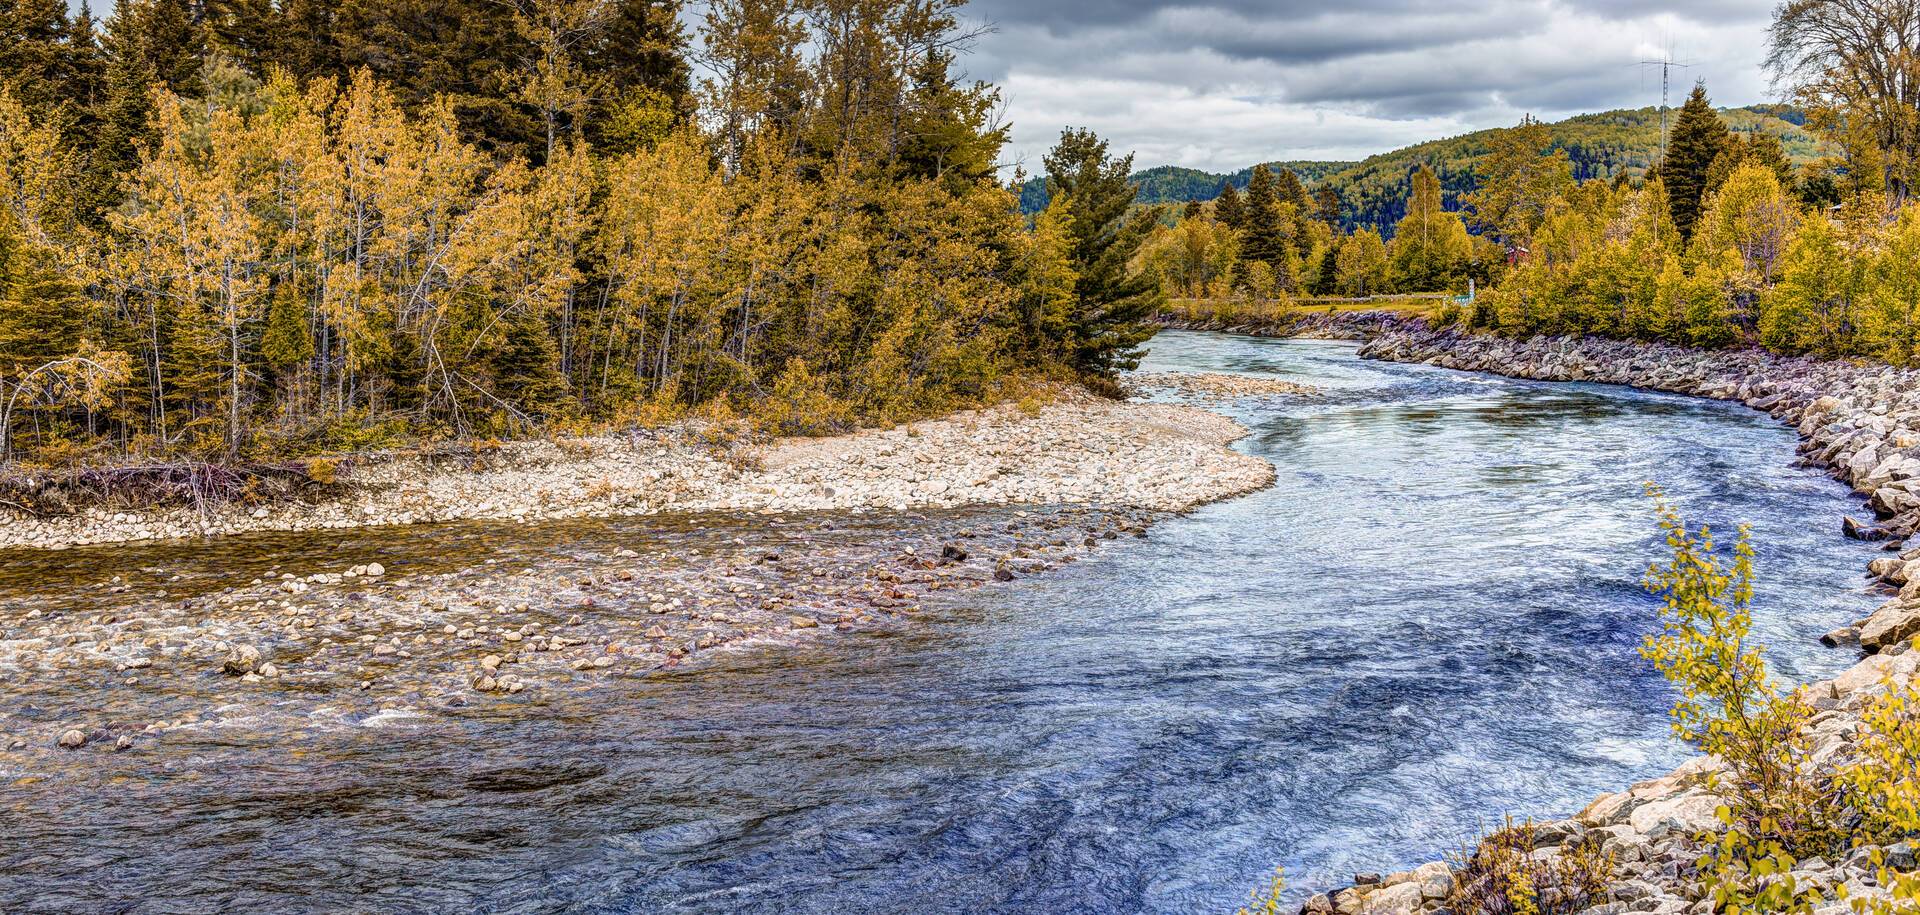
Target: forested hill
x: 1374, y: 190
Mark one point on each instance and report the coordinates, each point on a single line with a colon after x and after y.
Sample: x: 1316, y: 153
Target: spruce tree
x: 287, y: 342
x: 1326, y: 207
x: 1266, y: 236
x: 1228, y: 209
x: 247, y: 30
x: 1193, y: 210
x: 526, y: 369
x: 1763, y: 149
x: 38, y: 60
x: 1326, y: 273
x: 644, y: 46
x: 1698, y: 137
x: 1112, y: 302
x: 165, y: 36
x: 41, y: 313
x: 1293, y: 191
x: 304, y: 38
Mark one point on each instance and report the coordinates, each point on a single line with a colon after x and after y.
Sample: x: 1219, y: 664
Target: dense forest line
x: 1374, y: 190
x: 253, y: 229
x: 1726, y: 240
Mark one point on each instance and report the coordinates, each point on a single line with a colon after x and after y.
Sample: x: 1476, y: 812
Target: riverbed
x: 1427, y: 622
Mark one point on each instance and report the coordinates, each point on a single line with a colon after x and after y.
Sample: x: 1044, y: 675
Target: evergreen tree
x: 1292, y: 191
x: 1698, y: 138
x: 44, y: 59
x: 287, y: 342
x: 1228, y: 209
x: 164, y: 37
x: 526, y: 369
x: 1520, y: 177
x: 303, y: 39
x: 643, y: 46
x: 41, y: 313
x: 1326, y: 207
x: 1265, y: 230
x: 1193, y: 210
x: 148, y: 42
x: 249, y: 31
x: 1762, y: 149
x: 1112, y: 302
x: 466, y: 50
x: 1326, y: 271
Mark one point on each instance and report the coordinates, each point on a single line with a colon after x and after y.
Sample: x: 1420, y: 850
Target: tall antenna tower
x: 1667, y: 65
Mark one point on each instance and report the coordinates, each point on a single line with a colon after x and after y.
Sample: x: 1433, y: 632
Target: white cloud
x: 1232, y: 83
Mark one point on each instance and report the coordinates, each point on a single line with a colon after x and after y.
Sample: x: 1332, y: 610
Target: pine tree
x: 1291, y: 190
x: 288, y: 341
x: 1697, y: 139
x: 38, y: 57
x: 148, y: 42
x: 1228, y: 209
x: 1113, y: 303
x: 1763, y: 149
x: 164, y: 36
x: 250, y: 31
x: 303, y: 40
x: 1266, y: 237
x: 526, y: 369
x: 1326, y: 207
x: 1520, y: 177
x: 643, y: 47
x: 465, y: 50
x: 41, y: 313
x: 1326, y: 271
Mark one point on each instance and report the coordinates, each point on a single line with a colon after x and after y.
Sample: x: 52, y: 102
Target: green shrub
x: 1501, y: 876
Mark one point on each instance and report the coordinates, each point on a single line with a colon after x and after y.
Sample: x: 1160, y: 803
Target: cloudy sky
x: 1222, y: 84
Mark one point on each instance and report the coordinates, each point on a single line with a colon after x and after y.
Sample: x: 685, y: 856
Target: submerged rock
x: 241, y: 660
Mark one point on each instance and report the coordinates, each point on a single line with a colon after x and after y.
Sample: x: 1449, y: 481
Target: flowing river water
x: 1428, y: 622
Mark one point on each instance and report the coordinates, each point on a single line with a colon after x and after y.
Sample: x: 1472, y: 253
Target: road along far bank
x: 1075, y: 449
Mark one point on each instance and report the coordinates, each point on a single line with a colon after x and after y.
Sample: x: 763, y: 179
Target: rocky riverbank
x: 1858, y: 421
x: 1650, y: 833
x: 1075, y: 449
x: 1214, y: 387
x: 1305, y: 325
x: 743, y: 546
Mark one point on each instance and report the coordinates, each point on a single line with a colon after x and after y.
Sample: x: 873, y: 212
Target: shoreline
x: 1076, y: 449
x: 780, y: 552
x: 1860, y: 423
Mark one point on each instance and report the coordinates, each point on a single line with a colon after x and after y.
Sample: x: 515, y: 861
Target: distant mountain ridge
x: 1374, y: 190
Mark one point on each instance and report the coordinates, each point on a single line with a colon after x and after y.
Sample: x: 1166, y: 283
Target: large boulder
x: 1685, y: 813
x: 1890, y: 625
x: 1871, y: 671
x: 1893, y: 468
x: 1394, y: 900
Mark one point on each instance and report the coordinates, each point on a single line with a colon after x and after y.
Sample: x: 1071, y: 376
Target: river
x: 1428, y: 622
